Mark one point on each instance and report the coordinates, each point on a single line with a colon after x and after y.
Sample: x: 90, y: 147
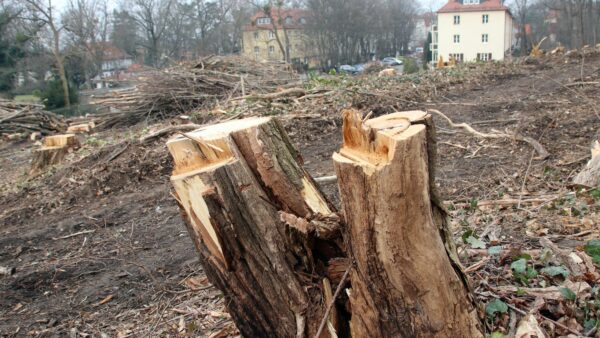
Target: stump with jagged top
x: 273, y: 244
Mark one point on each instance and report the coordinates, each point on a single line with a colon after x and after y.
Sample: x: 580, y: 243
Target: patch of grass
x: 27, y: 98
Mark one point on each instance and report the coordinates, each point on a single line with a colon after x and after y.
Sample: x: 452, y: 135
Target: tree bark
x: 407, y: 281
x: 264, y: 231
x: 270, y: 241
x: 61, y: 66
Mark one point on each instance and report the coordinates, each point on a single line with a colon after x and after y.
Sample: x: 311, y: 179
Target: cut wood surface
x: 234, y: 181
x: 407, y: 281
x: 52, y: 152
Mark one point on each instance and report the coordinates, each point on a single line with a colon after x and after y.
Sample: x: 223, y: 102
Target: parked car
x: 360, y: 67
x: 391, y: 61
x: 347, y: 69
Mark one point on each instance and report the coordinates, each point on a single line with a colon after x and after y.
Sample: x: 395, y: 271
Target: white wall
x: 470, y: 29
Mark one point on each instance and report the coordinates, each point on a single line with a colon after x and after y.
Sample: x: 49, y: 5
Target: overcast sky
x: 432, y: 5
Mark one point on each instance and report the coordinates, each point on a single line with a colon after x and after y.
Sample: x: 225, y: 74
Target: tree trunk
x: 264, y: 231
x: 61, y: 66
x: 407, y: 281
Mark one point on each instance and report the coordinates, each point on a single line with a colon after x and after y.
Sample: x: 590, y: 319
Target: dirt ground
x: 100, y: 248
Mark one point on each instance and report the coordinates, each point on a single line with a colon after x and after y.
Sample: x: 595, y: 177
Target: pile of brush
x: 189, y: 86
x: 18, y: 118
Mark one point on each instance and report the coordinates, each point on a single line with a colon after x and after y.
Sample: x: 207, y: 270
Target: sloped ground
x: 100, y: 248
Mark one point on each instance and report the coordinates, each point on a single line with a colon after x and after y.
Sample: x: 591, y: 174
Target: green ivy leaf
x: 592, y: 248
x: 590, y: 324
x: 496, y: 306
x: 475, y: 243
x: 494, y: 250
x: 521, y: 292
x: 595, y: 193
x: 497, y: 334
x: 519, y: 266
x: 531, y: 272
x: 568, y: 294
x: 554, y: 271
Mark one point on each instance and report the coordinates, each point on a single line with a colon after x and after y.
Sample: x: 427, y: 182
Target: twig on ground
x: 73, y: 235
x: 543, y: 154
x: 330, y: 305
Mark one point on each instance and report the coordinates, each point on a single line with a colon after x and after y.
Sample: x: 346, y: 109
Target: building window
x: 471, y: 2
x: 456, y: 38
x: 484, y: 56
x: 263, y: 21
x: 271, y: 35
x: 255, y: 35
x: 271, y: 50
x: 256, y: 52
x: 288, y: 20
x: 458, y: 57
x: 457, y: 19
x: 485, y: 18
x: 484, y: 38
x: 302, y: 21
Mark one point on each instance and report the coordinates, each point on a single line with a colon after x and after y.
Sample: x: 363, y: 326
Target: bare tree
x: 43, y: 13
x: 153, y: 18
x: 86, y: 22
x: 276, y: 12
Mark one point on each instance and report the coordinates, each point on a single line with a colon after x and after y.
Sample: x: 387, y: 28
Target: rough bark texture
x: 406, y: 281
x: 237, y: 183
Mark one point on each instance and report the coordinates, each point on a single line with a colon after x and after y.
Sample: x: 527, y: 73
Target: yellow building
x: 473, y: 30
x: 259, y: 38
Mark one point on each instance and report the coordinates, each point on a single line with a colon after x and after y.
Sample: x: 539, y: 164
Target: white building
x: 473, y: 30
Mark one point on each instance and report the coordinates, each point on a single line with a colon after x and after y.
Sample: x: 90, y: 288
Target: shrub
x: 53, y: 96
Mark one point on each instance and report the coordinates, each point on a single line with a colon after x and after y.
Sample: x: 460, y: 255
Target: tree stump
x: 406, y: 281
x: 264, y: 231
x: 272, y: 243
x: 52, y: 152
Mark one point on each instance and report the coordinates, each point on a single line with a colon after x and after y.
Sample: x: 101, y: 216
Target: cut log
x: 407, y: 281
x: 238, y: 184
x: 52, y: 152
x: 81, y: 127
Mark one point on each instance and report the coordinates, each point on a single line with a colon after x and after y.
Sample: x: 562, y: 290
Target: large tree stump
x: 406, y: 281
x: 53, y: 151
x: 264, y: 231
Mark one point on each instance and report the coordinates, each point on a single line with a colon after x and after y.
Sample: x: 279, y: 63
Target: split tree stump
x: 52, y: 152
x: 264, y: 231
x: 407, y: 281
x: 270, y: 241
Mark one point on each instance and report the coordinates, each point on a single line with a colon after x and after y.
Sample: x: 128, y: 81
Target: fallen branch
x: 73, y: 235
x: 168, y: 130
x: 543, y: 154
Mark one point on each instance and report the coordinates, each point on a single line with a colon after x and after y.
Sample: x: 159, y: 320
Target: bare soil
x: 100, y: 248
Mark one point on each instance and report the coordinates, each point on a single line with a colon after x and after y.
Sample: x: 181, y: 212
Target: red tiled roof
x: 484, y: 5
x: 111, y: 52
x: 294, y: 13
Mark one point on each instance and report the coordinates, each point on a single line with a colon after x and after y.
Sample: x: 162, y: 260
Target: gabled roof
x: 484, y: 5
x: 111, y: 52
x: 294, y: 17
